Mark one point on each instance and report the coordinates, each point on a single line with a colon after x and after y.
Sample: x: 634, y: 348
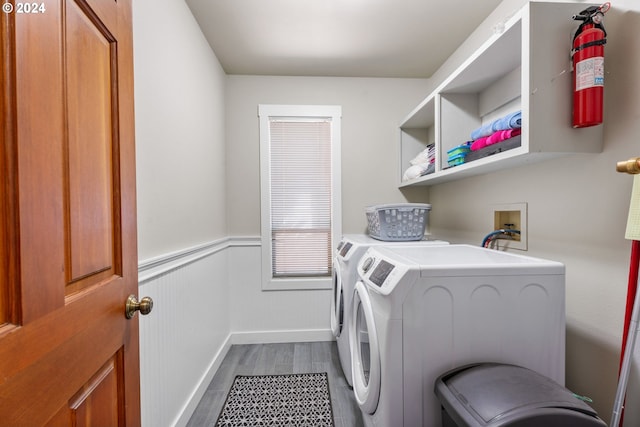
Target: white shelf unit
x: 526, y: 67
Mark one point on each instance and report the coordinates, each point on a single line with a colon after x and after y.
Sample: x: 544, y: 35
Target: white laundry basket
x: 398, y: 222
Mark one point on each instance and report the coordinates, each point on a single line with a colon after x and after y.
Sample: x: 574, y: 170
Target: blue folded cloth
x: 482, y: 131
x: 510, y: 121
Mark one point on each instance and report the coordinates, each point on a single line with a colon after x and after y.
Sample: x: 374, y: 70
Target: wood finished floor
x: 272, y: 359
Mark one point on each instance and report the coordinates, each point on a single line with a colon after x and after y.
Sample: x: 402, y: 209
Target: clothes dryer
x: 345, y: 275
x: 429, y: 310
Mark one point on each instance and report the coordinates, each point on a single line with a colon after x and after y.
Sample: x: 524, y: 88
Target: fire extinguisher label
x: 590, y: 73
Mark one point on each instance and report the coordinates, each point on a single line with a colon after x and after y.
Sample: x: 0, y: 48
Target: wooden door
x: 68, y: 256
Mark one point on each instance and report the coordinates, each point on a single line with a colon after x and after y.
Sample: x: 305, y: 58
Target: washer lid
x: 467, y: 260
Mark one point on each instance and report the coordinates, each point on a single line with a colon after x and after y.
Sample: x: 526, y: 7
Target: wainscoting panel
x: 186, y: 336
x: 207, y: 298
x: 260, y: 316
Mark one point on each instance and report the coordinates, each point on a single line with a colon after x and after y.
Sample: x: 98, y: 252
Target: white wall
x: 577, y: 210
x: 272, y: 316
x: 180, y: 147
x: 180, y: 103
x: 371, y: 112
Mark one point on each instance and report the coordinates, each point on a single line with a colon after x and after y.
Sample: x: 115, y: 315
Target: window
x: 300, y: 184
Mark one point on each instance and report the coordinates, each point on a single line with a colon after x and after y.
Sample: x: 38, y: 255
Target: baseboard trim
x: 270, y: 337
x: 203, y: 384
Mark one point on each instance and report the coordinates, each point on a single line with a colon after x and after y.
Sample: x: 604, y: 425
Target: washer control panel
x: 367, y: 263
x: 345, y: 249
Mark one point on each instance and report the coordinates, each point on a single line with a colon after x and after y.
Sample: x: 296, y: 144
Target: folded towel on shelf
x: 510, y: 121
x: 479, y: 143
x: 482, y: 131
x: 501, y: 135
x: 416, y: 171
x: 428, y: 155
x: 494, y: 138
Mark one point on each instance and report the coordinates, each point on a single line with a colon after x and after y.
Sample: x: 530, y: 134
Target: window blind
x: 300, y: 168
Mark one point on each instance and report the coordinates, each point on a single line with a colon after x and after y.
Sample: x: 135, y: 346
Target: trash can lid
x: 492, y: 390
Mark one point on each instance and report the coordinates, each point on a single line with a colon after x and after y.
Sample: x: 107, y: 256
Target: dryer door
x: 337, y: 300
x: 365, y: 353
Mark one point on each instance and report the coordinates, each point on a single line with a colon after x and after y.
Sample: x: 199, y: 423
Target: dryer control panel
x: 381, y: 273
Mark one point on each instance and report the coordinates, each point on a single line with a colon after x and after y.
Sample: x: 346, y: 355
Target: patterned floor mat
x: 296, y: 400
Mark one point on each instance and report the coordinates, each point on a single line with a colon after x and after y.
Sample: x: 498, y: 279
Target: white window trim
x: 264, y: 113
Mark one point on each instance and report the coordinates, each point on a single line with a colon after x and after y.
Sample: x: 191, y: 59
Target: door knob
x: 145, y: 305
x: 631, y: 166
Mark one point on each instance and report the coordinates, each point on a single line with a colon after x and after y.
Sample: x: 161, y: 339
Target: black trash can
x: 500, y: 395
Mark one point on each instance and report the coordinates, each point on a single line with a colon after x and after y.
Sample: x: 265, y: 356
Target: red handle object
x: 588, y: 68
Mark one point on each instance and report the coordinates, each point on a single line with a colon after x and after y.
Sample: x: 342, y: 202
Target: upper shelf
x: 525, y: 67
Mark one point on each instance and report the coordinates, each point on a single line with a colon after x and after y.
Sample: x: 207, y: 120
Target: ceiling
x: 348, y: 38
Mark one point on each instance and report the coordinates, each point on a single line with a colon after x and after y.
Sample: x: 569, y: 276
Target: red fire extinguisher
x: 588, y: 66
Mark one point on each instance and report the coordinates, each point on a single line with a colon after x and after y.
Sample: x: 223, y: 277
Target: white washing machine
x: 428, y: 310
x: 345, y: 275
